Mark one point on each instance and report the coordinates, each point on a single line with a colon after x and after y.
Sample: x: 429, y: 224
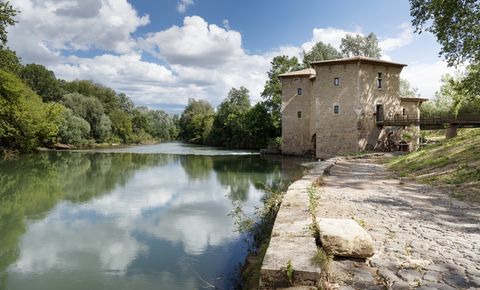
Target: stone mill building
x: 338, y: 106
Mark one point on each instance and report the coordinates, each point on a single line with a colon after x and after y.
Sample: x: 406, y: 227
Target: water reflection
x: 125, y: 221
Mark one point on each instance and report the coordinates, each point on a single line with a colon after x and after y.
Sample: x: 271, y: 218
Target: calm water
x: 119, y: 220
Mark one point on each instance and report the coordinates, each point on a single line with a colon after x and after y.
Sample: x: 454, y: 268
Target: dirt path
x: 423, y: 239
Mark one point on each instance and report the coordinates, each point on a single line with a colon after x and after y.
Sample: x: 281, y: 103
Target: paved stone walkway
x: 423, y: 238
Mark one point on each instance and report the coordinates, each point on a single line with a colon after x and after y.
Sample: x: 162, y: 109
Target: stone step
x: 299, y: 251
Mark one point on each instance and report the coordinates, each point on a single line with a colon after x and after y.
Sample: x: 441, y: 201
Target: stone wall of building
x: 296, y: 115
x: 412, y: 109
x: 336, y: 133
x: 371, y: 96
x: 341, y: 116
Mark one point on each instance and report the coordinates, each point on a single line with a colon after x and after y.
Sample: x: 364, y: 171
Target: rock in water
x: 345, y: 238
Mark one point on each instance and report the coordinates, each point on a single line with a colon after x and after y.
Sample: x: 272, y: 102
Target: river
x: 144, y: 217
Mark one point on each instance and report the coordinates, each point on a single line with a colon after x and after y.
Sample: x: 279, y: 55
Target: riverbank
x: 453, y: 165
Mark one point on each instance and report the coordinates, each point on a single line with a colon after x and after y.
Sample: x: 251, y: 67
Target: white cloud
x: 45, y: 28
x: 145, y: 82
x: 182, y: 5
x: 426, y: 76
x: 405, y: 37
x: 196, y: 59
x: 49, y: 243
x: 329, y: 35
x: 207, y: 60
x: 195, y: 43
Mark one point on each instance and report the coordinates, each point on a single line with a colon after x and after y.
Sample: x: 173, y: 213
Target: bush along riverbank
x: 257, y: 231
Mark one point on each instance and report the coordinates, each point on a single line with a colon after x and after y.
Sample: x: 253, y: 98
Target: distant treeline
x: 37, y: 109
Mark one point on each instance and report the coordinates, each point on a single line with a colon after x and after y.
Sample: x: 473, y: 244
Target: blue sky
x: 161, y: 53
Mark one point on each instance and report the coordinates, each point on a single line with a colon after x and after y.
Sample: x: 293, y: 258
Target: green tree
x: 272, y: 91
x: 196, y: 121
x: 161, y: 125
x: 359, y: 45
x: 407, y: 90
x: 444, y: 102
x: 103, y: 130
x: 320, y: 51
x: 7, y: 14
x: 9, y: 61
x: 42, y: 81
x: 260, y: 127
x: 73, y: 129
x: 469, y: 86
x: 121, y: 125
x: 125, y: 104
x: 455, y: 23
x: 90, y: 109
x: 139, y: 120
x: 229, y: 126
x: 25, y: 121
x: 107, y: 96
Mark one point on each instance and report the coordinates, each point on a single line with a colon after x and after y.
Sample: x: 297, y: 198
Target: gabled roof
x: 310, y: 72
x: 357, y: 59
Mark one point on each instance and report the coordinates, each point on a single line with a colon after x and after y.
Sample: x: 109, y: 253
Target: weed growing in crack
x: 324, y: 261
x: 290, y: 271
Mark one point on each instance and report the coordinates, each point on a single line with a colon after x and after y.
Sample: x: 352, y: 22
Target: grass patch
x: 453, y: 164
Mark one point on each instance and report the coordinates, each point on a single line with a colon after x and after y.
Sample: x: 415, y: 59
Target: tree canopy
x: 320, y: 51
x: 196, y: 121
x: 407, y: 90
x: 272, y: 92
x: 7, y: 14
x: 359, y: 45
x: 25, y: 121
x: 455, y: 23
x: 9, y: 61
x: 42, y: 81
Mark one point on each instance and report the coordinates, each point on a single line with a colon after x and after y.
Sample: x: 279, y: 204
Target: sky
x: 163, y: 52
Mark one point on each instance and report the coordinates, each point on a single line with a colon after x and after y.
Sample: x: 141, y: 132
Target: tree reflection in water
x: 158, y: 205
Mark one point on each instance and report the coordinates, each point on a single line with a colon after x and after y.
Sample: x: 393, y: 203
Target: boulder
x: 345, y: 238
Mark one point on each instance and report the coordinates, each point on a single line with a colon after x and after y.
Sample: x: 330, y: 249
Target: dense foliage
x: 450, y: 100
x: 320, y: 51
x: 236, y: 124
x: 456, y: 24
x: 25, y: 121
x: 40, y: 110
x: 359, y: 45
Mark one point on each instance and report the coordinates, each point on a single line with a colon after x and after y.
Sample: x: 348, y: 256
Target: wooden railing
x: 465, y: 119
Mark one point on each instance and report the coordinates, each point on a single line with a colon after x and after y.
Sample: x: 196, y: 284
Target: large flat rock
x: 345, y: 238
